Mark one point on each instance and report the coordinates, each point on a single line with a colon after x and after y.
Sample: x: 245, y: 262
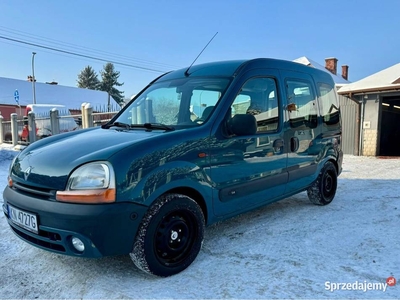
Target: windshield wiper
x: 158, y: 126
x: 145, y: 125
x: 154, y: 126
x: 117, y: 124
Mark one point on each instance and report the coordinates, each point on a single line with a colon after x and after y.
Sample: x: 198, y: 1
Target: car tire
x: 323, y: 190
x: 170, y: 236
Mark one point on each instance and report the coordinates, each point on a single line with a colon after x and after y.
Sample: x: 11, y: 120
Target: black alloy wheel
x: 174, y: 237
x: 323, y: 190
x: 170, y: 235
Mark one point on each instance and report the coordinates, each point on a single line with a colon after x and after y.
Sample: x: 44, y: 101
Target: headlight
x: 90, y: 176
x: 90, y: 183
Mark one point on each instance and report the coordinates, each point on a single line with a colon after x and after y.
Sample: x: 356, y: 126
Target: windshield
x: 176, y: 103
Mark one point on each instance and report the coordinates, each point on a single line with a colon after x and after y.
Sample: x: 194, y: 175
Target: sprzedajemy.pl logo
x: 360, y: 285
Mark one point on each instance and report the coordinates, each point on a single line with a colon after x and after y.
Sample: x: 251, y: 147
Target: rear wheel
x: 323, y: 190
x: 170, y: 236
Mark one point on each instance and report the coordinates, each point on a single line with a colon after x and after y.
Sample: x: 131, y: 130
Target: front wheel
x: 170, y: 236
x: 323, y: 190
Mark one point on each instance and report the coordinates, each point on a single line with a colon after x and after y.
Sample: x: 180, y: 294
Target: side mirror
x: 243, y: 124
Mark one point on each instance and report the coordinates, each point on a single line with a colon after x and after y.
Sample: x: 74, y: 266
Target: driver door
x: 250, y: 170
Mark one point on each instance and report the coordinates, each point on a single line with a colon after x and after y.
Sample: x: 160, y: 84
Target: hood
x: 47, y: 163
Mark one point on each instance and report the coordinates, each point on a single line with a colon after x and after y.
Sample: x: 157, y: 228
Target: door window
x: 258, y: 97
x: 302, y: 105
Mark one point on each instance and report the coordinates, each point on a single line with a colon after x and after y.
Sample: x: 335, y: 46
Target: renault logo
x: 27, y: 172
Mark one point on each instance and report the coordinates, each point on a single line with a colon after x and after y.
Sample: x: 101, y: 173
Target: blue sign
x: 16, y: 96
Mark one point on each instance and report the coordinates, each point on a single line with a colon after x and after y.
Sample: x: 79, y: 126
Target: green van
x: 196, y: 146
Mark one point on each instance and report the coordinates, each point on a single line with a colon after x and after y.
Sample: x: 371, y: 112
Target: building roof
x: 339, y: 80
x: 71, y: 97
x: 387, y: 79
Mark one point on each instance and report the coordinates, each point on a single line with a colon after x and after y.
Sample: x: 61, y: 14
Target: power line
x: 81, y: 55
x: 70, y: 45
x: 52, y: 52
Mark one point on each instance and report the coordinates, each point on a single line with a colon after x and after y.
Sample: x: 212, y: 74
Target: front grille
x: 44, y: 244
x: 34, y: 191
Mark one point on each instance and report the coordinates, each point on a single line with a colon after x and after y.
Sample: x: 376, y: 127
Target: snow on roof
x: 71, y: 97
x: 339, y: 80
x: 387, y: 79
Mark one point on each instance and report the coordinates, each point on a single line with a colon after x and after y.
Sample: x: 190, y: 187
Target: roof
x: 71, y: 97
x: 339, y: 80
x: 231, y: 68
x: 217, y: 68
x: 387, y: 79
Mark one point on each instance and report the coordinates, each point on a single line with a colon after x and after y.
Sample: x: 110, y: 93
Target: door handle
x: 294, y: 144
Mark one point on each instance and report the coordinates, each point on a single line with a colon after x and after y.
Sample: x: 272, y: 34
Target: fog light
x: 78, y: 244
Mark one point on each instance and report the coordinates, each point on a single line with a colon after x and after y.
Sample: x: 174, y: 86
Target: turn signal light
x: 87, y: 196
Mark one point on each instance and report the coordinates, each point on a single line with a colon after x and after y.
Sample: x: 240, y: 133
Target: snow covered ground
x: 290, y: 249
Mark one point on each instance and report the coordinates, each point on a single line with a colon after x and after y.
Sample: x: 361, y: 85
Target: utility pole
x: 33, y: 79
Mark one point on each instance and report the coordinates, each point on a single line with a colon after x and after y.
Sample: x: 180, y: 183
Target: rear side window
x: 258, y: 97
x: 328, y: 104
x: 301, y: 94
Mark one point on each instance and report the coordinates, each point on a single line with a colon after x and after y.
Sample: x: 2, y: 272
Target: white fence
x: 32, y: 127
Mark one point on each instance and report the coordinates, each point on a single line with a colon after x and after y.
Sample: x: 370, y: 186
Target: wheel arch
x: 195, y: 195
x: 335, y: 164
x: 333, y: 156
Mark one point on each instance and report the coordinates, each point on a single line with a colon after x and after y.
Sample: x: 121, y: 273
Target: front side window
x: 302, y: 103
x: 258, y: 96
x: 178, y: 103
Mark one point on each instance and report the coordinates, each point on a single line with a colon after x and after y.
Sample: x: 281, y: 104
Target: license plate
x: 23, y: 219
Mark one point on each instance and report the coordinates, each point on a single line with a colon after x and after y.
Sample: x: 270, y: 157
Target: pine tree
x: 109, y: 79
x: 88, y: 79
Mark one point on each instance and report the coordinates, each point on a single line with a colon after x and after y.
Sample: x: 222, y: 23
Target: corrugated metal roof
x: 339, y: 80
x: 71, y: 97
x: 386, y: 79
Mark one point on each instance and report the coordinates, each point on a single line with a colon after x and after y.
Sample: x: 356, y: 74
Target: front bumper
x: 105, y: 229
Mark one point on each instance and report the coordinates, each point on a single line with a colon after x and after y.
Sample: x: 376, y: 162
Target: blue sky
x: 166, y: 35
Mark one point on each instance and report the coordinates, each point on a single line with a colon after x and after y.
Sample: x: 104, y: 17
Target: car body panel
x: 50, y: 163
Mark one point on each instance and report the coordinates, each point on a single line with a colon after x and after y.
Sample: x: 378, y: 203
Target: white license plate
x: 23, y: 218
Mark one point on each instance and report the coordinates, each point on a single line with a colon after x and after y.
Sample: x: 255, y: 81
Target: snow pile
x: 290, y: 249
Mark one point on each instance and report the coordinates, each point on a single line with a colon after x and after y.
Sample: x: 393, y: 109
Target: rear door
x: 302, y: 130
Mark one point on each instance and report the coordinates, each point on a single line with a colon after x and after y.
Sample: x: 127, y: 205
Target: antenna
x: 187, y: 71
